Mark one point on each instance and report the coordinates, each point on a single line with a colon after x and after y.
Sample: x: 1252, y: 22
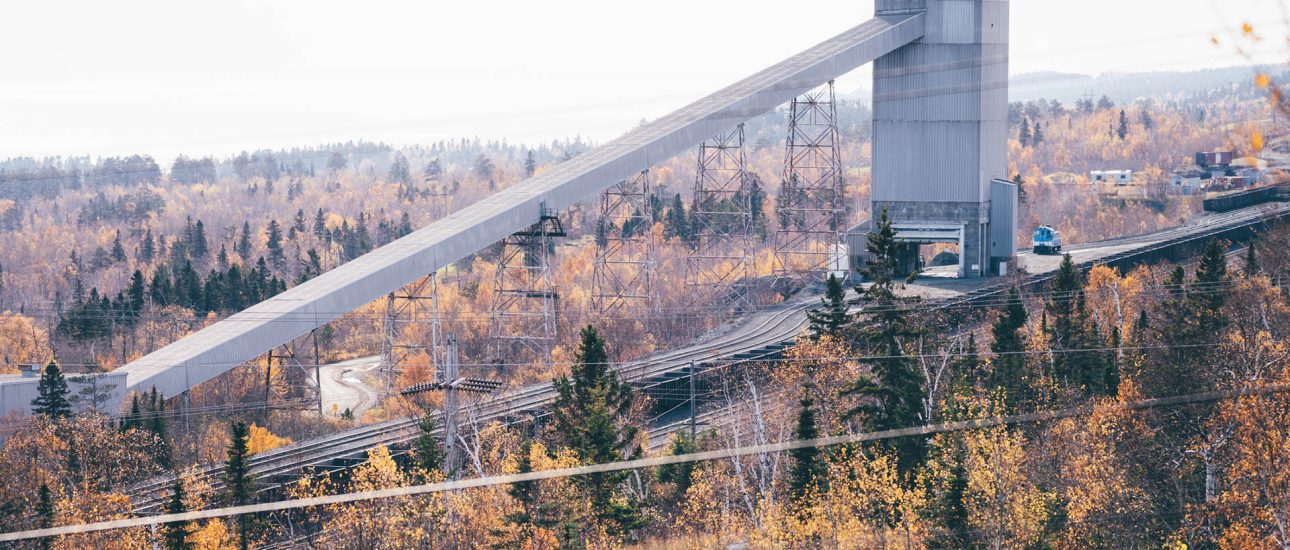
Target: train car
x: 1047, y: 240
x: 1224, y: 202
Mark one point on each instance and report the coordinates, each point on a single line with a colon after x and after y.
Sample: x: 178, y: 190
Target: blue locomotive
x: 1047, y: 240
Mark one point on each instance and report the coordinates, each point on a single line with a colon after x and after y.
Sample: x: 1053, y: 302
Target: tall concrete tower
x: 940, y: 112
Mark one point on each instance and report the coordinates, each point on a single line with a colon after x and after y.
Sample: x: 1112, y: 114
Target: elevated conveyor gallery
x: 250, y: 333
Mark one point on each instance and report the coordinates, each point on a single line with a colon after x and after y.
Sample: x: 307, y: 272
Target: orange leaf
x: 1256, y: 140
x: 1262, y: 81
x: 1247, y: 28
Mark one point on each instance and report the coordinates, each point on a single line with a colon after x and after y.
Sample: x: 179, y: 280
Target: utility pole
x: 313, y: 334
x: 268, y: 383
x: 450, y: 404
x: 693, y: 418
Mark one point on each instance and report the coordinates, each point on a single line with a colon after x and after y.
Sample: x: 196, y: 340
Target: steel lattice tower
x: 623, y: 269
x: 525, y: 302
x: 811, y: 206
x: 414, y: 304
x: 721, y: 263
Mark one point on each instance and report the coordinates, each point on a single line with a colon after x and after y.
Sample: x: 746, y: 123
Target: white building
x: 1117, y: 177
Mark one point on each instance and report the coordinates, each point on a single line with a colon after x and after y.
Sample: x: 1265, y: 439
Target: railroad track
x: 767, y: 333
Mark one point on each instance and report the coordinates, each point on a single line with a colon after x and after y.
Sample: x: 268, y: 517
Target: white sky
x: 167, y: 77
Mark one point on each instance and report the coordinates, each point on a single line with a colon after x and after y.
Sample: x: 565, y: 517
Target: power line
x: 431, y: 488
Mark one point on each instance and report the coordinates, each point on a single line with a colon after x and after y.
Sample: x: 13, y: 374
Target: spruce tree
x: 590, y: 413
x: 118, y: 251
x: 530, y: 164
x: 274, y: 244
x: 809, y: 471
x: 176, y: 534
x: 147, y: 248
x: 535, y: 510
x: 429, y: 455
x: 1123, y: 129
x: 1251, y: 261
x: 830, y: 317
x: 1024, y: 136
x: 199, y: 247
x: 1008, y: 364
x: 240, y: 486
x: 1072, y: 335
x: 52, y: 394
x: 243, y: 247
x: 157, y: 425
x: 44, y: 515
x: 679, y: 475
x: 891, y: 397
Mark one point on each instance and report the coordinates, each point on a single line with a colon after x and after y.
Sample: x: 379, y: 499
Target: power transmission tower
x: 440, y: 197
x: 720, y: 266
x: 522, y: 323
x: 414, y: 304
x: 812, y: 199
x: 623, y: 270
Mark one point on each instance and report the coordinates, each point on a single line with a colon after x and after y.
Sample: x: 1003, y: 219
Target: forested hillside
x: 103, y: 260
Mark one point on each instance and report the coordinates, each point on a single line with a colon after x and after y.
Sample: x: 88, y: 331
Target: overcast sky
x: 166, y: 77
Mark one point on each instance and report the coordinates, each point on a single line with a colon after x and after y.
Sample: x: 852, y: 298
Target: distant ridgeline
x: 1126, y: 87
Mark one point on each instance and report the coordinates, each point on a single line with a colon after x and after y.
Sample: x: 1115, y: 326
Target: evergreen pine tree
x: 176, y: 534
x: 530, y: 164
x: 1038, y: 136
x: 832, y: 315
x: 757, y: 207
x: 44, y: 515
x: 1024, y: 136
x: 243, y: 247
x: 400, y: 171
x: 808, y: 468
x: 590, y: 415
x: 118, y: 251
x: 1008, y: 365
x: 535, y: 510
x: 429, y: 455
x: 274, y: 244
x: 891, y: 397
x: 1210, y: 293
x: 52, y: 394
x: 135, y: 419
x: 199, y: 248
x: 147, y: 247
x: 320, y: 224
x: 137, y: 293
x: 1251, y: 261
x: 239, y: 484
x: 157, y: 425
x: 221, y: 259
x: 679, y: 475
x: 1123, y: 129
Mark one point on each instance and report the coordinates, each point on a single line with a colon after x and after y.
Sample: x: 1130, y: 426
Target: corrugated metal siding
x: 940, y: 107
x: 1003, y: 219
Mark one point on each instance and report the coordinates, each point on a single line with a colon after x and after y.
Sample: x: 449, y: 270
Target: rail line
x: 765, y: 334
